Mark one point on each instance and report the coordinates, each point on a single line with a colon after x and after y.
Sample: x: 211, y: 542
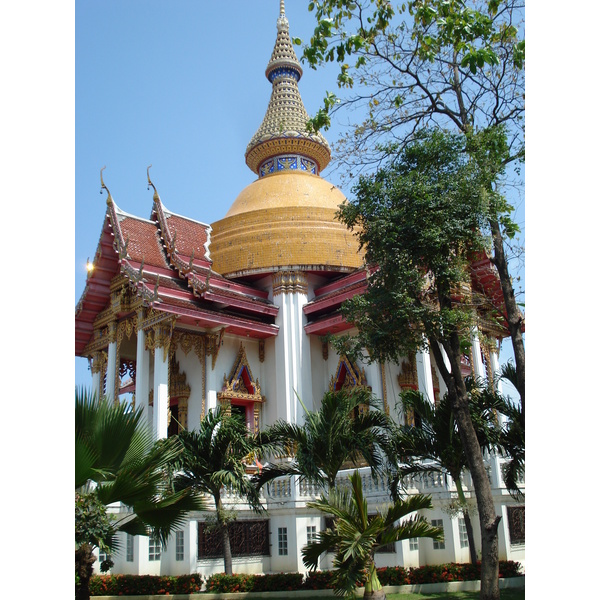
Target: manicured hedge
x: 275, y: 582
x: 438, y: 573
x: 115, y: 585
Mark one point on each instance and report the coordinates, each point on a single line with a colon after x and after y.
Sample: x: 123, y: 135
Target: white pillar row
x: 497, y: 480
x: 96, y: 368
x: 214, y: 382
x: 142, y: 370
x: 443, y: 388
x: 424, y: 377
x: 161, y: 382
x: 292, y: 347
x: 111, y: 364
x: 478, y: 367
x: 495, y: 364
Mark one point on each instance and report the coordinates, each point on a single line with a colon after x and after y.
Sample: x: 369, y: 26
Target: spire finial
x: 155, y: 197
x: 286, y: 117
x: 103, y: 187
x: 282, y: 22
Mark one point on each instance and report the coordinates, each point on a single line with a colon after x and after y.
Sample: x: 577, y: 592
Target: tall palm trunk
x: 373, y: 588
x: 224, y: 526
x: 84, y: 566
x: 468, y: 523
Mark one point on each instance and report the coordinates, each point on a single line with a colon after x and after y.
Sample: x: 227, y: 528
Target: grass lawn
x: 508, y: 594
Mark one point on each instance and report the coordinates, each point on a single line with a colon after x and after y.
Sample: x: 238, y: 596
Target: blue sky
x: 178, y: 85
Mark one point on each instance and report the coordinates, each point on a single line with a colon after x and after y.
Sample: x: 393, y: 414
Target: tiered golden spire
x: 282, y: 141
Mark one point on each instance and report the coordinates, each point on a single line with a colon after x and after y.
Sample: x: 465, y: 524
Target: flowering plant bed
x: 275, y: 582
x: 123, y: 585
x: 134, y: 585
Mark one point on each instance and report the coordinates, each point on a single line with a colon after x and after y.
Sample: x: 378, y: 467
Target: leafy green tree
x: 348, y: 427
x: 355, y: 535
x: 214, y: 457
x: 116, y: 460
x: 453, y: 64
x: 419, y: 219
x: 434, y: 445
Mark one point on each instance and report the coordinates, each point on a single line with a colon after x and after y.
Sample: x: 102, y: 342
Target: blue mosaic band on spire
x: 284, y: 72
x: 288, y: 163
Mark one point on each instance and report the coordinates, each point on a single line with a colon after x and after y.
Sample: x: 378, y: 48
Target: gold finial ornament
x: 155, y: 196
x: 109, y: 200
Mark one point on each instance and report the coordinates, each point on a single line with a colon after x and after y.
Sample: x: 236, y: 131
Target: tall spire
x: 282, y: 141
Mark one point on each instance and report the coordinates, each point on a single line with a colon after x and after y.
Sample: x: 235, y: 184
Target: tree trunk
x: 513, y: 314
x: 84, y: 566
x: 227, y: 557
x: 468, y: 523
x: 488, y: 519
x: 373, y: 588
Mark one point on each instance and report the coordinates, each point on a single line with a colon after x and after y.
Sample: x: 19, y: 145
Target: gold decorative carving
x: 347, y: 375
x: 149, y: 343
x: 214, y: 342
x: 99, y: 360
x: 162, y: 338
x: 408, y: 379
x: 261, y: 350
x: 289, y: 282
x: 112, y: 332
x: 238, y: 387
x: 178, y: 386
x: 384, y: 389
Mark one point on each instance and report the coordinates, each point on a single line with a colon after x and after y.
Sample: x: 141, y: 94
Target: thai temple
x: 184, y: 316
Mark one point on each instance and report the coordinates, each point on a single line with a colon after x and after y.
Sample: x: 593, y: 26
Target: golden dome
x: 286, y: 219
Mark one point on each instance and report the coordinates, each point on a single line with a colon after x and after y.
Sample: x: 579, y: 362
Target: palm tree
x: 355, y: 536
x: 434, y: 446
x: 116, y: 460
x: 347, y: 428
x: 215, y: 457
x: 511, y: 441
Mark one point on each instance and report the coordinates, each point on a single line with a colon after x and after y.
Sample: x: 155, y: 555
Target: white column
x: 478, y: 368
x: 292, y: 347
x: 161, y: 385
x: 443, y: 388
x: 111, y: 364
x: 214, y: 382
x: 495, y: 364
x: 497, y: 480
x: 424, y: 374
x: 142, y: 371
x: 96, y: 376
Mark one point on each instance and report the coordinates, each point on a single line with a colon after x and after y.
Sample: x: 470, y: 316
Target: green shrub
x: 123, y: 585
x: 319, y: 580
x: 116, y: 585
x: 393, y: 576
x: 276, y: 582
